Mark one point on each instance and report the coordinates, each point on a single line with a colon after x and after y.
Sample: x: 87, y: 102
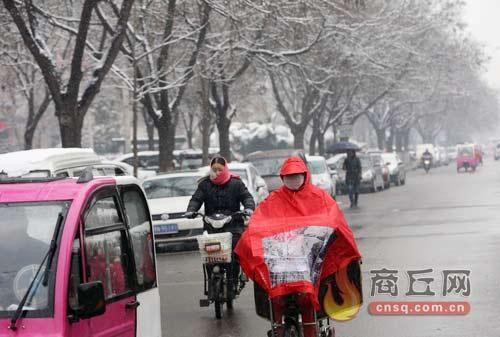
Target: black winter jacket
x: 224, y: 199
x: 353, y: 169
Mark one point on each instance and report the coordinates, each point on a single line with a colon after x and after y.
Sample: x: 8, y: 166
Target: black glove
x: 248, y: 212
x: 190, y: 215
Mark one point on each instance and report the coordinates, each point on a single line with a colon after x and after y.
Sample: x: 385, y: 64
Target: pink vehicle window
x: 141, y: 238
x: 105, y: 247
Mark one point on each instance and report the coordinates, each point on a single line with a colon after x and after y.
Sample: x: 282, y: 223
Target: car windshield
x: 268, y: 166
x: 26, y: 230
x: 317, y: 166
x: 171, y: 187
x: 466, y: 151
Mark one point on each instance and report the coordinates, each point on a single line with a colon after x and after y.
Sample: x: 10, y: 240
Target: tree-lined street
x: 440, y: 221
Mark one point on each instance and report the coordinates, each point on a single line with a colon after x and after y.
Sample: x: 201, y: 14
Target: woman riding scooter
x: 223, y: 192
x: 303, y: 227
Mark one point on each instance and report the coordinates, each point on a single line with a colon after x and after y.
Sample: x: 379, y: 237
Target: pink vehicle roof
x: 65, y: 189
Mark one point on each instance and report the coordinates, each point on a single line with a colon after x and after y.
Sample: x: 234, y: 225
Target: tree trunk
x: 321, y: 144
x: 189, y: 137
x: 390, y: 141
x: 206, y: 130
x: 312, y: 143
x: 335, y: 134
x: 150, y: 129
x: 70, y: 125
x: 406, y: 138
x: 28, y: 138
x: 223, y: 124
x: 166, y: 137
x: 380, y: 138
x: 399, y: 141
x: 298, y: 137
x: 206, y: 120
x: 314, y: 136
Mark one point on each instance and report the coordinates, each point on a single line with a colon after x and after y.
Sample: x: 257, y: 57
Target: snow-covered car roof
x: 51, y: 159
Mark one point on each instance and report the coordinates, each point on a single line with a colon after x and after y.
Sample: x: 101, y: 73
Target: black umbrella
x: 342, y: 147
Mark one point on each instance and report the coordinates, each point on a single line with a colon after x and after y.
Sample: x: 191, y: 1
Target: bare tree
x: 166, y: 61
x: 247, y: 34
x: 28, y: 83
x: 70, y: 103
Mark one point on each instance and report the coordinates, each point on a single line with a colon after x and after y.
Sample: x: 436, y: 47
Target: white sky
x: 483, y: 19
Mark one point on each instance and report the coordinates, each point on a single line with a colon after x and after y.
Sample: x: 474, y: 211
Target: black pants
x: 353, y: 190
x: 234, y: 271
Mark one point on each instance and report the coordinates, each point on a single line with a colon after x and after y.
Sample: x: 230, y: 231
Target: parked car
x: 371, y: 177
x: 335, y: 165
x: 379, y: 161
x: 320, y: 174
x: 85, y: 218
x: 396, y: 167
x: 255, y: 184
x: 168, y: 196
x: 148, y: 160
x: 268, y: 164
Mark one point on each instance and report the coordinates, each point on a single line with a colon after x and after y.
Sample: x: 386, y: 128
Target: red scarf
x: 223, y: 177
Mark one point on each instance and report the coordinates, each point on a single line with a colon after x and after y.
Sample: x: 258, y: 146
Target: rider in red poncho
x: 296, y: 206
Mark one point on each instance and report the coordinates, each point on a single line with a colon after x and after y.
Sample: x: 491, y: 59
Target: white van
x: 56, y: 162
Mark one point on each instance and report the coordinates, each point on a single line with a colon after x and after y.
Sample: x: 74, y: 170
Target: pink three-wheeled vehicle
x: 468, y: 157
x: 76, y: 258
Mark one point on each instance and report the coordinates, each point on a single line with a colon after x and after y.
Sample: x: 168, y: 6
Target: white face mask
x: 293, y: 181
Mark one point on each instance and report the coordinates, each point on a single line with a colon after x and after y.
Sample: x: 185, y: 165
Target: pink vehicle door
x: 107, y: 259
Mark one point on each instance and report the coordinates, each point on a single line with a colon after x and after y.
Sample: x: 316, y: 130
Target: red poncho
x: 295, y: 239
